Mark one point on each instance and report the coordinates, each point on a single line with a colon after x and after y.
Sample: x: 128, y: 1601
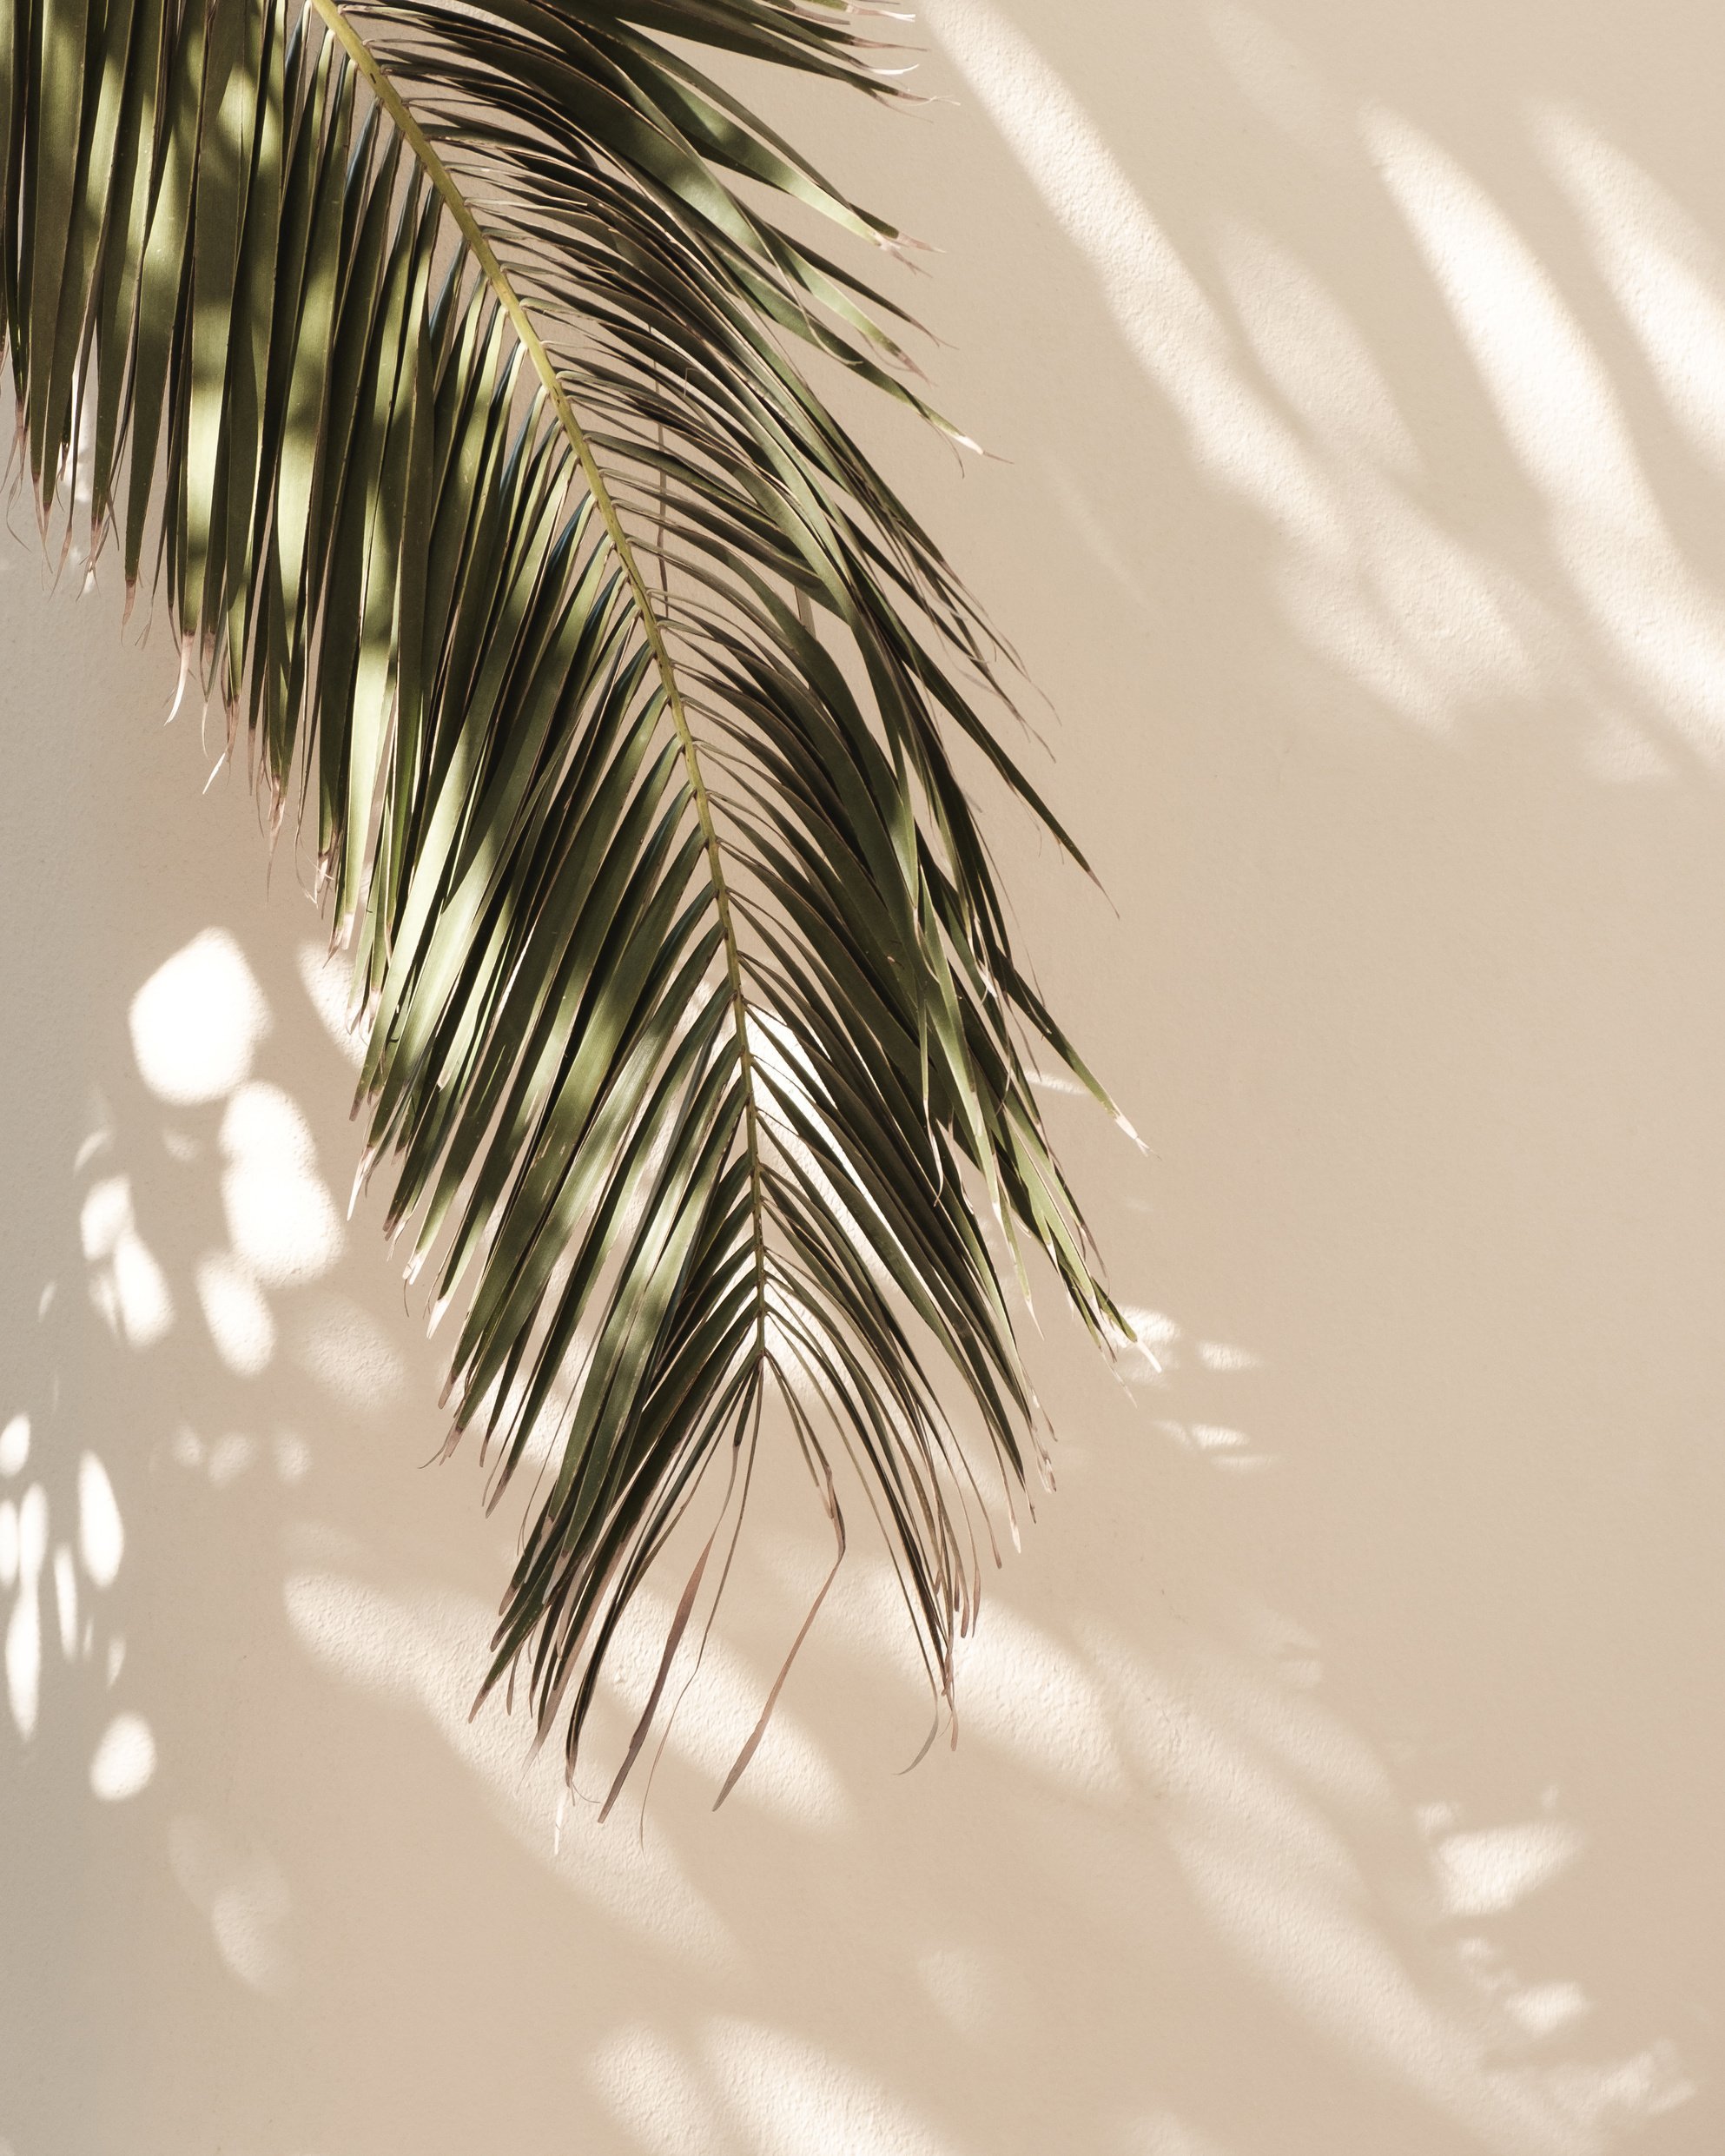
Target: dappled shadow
x: 1338, y: 1767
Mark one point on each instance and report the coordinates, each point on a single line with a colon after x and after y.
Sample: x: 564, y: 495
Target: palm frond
x: 435, y: 360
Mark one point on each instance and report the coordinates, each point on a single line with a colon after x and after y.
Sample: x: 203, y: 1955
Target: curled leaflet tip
x: 360, y: 1173
x: 186, y: 649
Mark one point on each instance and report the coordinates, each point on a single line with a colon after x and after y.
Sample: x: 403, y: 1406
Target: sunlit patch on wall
x: 325, y: 977
x: 1664, y: 271
x: 1542, y: 2009
x: 186, y: 1447
x: 1489, y: 1869
x: 792, y: 2098
x: 425, y: 1651
x: 126, y: 1284
x: 243, y: 1896
x: 1378, y: 586
x: 1223, y: 1447
x: 238, y: 1316
x: 864, y: 1612
x: 1023, y: 1691
x: 48, y: 1599
x: 1262, y: 1794
x: 789, y: 1776
x: 226, y: 1459
x: 1156, y: 1350
x: 1315, y: 357
x: 197, y: 1021
x: 344, y: 1349
x: 1220, y: 1355
x: 66, y: 1600
x: 15, y: 1445
x: 99, y: 1138
x: 1164, y: 1350
x: 292, y: 1456
x: 663, y: 2102
x: 230, y: 1456
x: 124, y: 1763
x: 280, y: 1218
x: 752, y: 2088
x: 1293, y: 416
x: 101, y: 1537
x: 1565, y: 421
x: 24, y: 1627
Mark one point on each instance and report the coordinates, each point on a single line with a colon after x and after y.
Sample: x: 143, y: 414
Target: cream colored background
x: 1342, y: 1761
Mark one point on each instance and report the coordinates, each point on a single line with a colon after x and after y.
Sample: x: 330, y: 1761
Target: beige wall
x: 1342, y: 1761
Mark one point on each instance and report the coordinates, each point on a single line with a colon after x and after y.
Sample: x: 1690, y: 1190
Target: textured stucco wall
x: 1341, y: 1763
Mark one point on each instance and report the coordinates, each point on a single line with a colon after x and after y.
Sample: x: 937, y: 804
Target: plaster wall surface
x: 1340, y: 1767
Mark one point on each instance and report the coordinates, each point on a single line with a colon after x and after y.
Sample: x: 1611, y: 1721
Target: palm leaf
x: 434, y: 362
